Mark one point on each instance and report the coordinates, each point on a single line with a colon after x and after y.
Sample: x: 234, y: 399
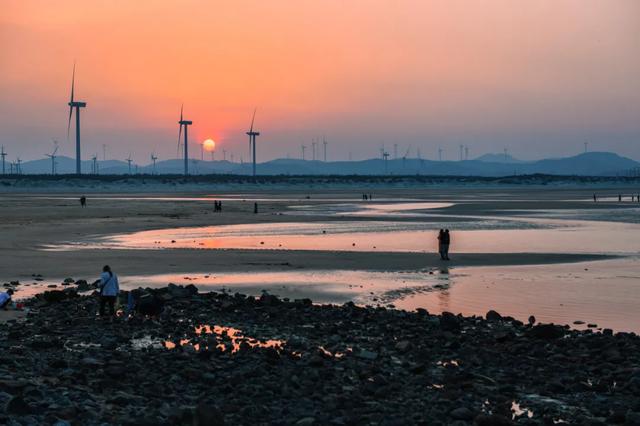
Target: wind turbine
x: 303, y: 147
x: 313, y: 149
x: 385, y: 156
x: 94, y: 164
x: 252, y: 142
x: 585, y: 147
x: 461, y: 148
x: 404, y: 157
x: 466, y: 152
x: 3, y: 155
x: 186, y: 124
x: 77, y: 105
x: 53, y: 158
x: 324, y: 142
x: 19, y: 166
x: 439, y: 154
x: 154, y: 158
x: 129, y: 160
x: 395, y: 151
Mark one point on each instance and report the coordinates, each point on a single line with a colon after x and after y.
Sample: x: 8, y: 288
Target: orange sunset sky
x: 539, y: 77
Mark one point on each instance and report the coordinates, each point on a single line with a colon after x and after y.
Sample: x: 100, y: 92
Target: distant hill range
x: 491, y: 165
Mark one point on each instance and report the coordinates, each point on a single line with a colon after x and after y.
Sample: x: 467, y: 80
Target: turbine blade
x: 181, y: 107
x: 69, y: 124
x: 73, y: 81
x: 179, y: 136
x: 252, y: 120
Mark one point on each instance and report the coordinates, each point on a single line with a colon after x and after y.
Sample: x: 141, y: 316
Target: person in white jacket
x: 109, y: 289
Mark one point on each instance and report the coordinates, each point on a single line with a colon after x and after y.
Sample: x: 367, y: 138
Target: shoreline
x: 340, y: 364
x: 136, y: 262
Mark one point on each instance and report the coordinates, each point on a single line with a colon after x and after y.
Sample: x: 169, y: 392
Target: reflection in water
x: 226, y: 339
x: 503, y: 236
x: 443, y: 294
x: 606, y: 293
x: 603, y: 292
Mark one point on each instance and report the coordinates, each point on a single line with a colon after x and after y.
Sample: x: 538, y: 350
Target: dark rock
x: 547, y: 331
x: 493, y: 316
x: 207, y: 414
x: 461, y: 413
x: 449, y: 322
x: 18, y: 406
x: 368, y: 355
x: 492, y: 420
x: 403, y: 345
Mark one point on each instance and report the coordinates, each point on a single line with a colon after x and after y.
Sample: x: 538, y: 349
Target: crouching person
x: 109, y: 289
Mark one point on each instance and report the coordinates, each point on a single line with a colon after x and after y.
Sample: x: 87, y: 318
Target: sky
x: 539, y: 78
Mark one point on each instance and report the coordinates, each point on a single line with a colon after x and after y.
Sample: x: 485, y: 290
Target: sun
x: 209, y: 145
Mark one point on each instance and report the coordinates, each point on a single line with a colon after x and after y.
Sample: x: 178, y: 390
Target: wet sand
x: 28, y: 223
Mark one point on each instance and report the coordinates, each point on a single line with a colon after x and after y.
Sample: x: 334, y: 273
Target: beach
x: 179, y: 237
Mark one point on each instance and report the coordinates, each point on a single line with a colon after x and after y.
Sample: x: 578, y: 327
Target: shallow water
x: 604, y: 292
x: 471, y: 236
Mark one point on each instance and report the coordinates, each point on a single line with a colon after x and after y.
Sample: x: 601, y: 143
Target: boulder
x: 547, y: 331
x: 207, y: 414
x: 493, y: 316
x: 492, y: 420
x: 449, y: 322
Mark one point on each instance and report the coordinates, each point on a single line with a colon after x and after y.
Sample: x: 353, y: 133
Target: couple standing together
x: 444, y: 239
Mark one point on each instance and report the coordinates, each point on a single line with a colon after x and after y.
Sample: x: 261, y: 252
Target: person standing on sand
x: 446, y: 240
x: 441, y: 244
x: 109, y: 289
x: 83, y: 201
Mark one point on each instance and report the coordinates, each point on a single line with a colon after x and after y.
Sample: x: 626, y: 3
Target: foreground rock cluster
x: 215, y: 358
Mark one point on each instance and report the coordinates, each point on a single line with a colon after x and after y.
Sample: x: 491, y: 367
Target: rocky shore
x: 216, y: 358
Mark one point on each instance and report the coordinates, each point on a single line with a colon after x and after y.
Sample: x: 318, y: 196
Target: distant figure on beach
x: 217, y: 206
x: 83, y: 201
x: 446, y: 241
x: 441, y: 244
x: 619, y: 197
x: 5, y: 299
x: 255, y: 208
x: 109, y: 289
x: 370, y: 197
x: 594, y: 198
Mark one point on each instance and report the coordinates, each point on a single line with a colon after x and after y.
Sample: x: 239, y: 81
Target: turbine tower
x: 324, y: 142
x: 252, y: 142
x: 53, y: 158
x: 303, y: 147
x: 154, y: 158
x: 186, y: 124
x: 385, y: 156
x: 3, y: 155
x: 77, y: 105
x: 313, y: 149
x: 585, y: 147
x: 18, y: 166
x: 404, y: 157
x: 94, y: 164
x: 439, y: 154
x: 129, y: 160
